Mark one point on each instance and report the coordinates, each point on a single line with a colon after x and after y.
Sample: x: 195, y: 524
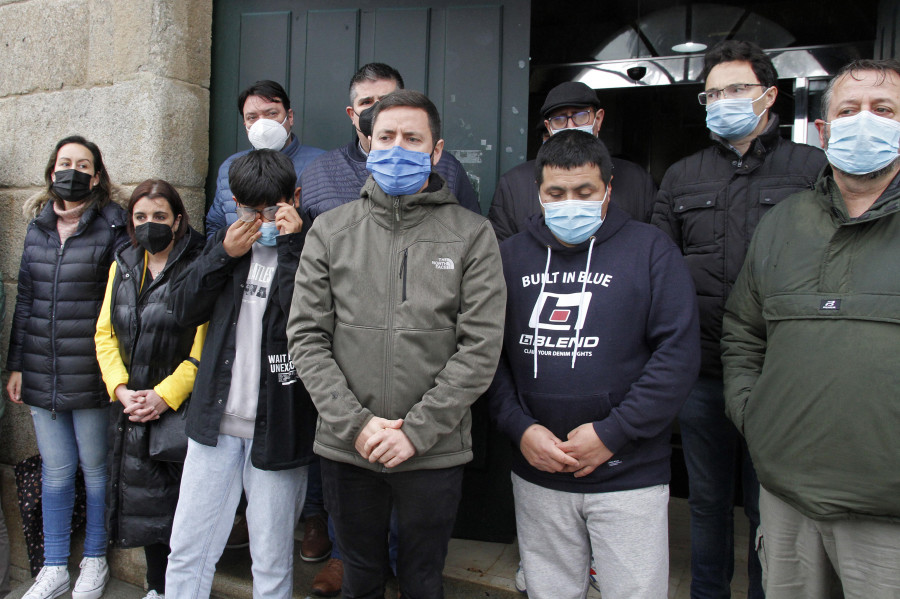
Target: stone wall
x: 129, y: 75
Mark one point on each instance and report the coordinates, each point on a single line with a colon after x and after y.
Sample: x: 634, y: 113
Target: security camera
x: 636, y: 73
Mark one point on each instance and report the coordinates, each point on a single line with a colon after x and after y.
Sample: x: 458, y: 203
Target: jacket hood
x: 33, y: 205
x: 538, y: 229
x: 829, y: 194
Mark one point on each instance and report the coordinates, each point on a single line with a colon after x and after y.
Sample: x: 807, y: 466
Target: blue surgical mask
x: 586, y: 128
x: 269, y: 232
x: 574, y: 221
x: 863, y: 143
x: 733, y: 118
x: 399, y: 171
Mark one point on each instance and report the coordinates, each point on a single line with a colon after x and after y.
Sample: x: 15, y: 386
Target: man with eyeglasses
x: 268, y: 118
x: 251, y: 421
x: 569, y: 105
x: 710, y: 203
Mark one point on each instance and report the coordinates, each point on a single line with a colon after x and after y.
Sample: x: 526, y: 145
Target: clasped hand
x: 141, y: 406
x: 581, y: 453
x: 383, y: 441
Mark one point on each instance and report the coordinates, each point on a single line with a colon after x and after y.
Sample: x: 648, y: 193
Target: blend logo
x: 560, y: 311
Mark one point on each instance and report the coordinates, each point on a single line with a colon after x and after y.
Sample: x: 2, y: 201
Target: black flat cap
x: 570, y: 93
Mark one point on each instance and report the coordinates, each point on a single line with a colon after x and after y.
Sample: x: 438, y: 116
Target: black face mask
x: 365, y: 120
x: 71, y: 185
x: 154, y: 237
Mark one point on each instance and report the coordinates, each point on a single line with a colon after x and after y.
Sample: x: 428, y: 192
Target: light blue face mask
x: 269, y: 232
x: 574, y: 221
x: 733, y: 118
x: 399, y: 171
x: 862, y: 143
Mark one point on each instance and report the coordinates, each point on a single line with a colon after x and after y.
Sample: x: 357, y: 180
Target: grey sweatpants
x: 816, y: 559
x: 626, y: 530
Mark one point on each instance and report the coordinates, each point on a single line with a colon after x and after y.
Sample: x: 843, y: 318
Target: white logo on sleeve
x: 443, y: 264
x: 560, y: 311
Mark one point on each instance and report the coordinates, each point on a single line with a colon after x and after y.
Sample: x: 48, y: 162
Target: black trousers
x: 359, y: 502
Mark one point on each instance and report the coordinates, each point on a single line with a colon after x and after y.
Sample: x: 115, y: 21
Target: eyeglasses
x: 248, y: 214
x: 729, y: 91
x: 579, y: 119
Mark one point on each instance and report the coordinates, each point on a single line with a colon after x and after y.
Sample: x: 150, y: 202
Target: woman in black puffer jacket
x: 149, y: 364
x: 53, y: 366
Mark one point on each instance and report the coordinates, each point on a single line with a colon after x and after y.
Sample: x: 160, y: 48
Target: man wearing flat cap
x: 569, y: 105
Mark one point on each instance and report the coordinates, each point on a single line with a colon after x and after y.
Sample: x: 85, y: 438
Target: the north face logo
x: 443, y: 264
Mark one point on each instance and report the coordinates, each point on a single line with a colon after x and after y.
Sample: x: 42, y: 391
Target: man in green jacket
x: 396, y: 327
x: 811, y: 334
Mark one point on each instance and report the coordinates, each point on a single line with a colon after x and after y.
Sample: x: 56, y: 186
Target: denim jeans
x: 714, y: 452
x: 314, y: 503
x: 210, y: 491
x: 73, y: 438
x: 360, y: 503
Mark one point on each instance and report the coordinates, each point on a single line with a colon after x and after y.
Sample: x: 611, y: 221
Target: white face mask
x: 268, y: 134
x: 586, y: 128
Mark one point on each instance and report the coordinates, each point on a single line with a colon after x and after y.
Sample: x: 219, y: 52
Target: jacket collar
x: 829, y: 195
x: 132, y: 256
x: 764, y: 143
x: 354, y: 152
x: 406, y: 210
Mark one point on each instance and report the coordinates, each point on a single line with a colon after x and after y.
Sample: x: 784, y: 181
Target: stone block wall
x: 131, y: 76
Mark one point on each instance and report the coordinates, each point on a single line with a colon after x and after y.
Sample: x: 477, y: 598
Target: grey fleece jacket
x: 398, y: 312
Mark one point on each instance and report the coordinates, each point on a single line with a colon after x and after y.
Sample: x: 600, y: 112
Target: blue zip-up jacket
x: 336, y: 178
x: 223, y: 211
x: 60, y: 292
x: 628, y: 305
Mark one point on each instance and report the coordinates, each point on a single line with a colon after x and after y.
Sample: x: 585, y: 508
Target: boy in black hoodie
x: 600, y: 351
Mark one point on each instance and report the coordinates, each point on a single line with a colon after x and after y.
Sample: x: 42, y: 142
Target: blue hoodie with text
x: 623, y: 302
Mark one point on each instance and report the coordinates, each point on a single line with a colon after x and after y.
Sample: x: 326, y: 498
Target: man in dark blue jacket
x: 336, y: 177
x: 601, y: 348
x: 268, y: 117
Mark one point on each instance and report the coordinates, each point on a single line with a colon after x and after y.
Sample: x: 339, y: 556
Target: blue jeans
x: 714, y: 452
x: 76, y: 437
x: 211, y: 487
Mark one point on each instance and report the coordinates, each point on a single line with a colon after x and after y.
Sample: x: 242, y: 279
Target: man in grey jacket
x: 396, y: 327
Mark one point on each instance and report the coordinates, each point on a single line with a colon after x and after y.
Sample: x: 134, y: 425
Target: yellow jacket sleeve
x: 111, y: 365
x: 176, y: 387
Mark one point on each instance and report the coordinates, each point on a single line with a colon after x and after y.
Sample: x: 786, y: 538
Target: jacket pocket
x: 562, y: 413
x: 697, y: 214
x: 428, y: 284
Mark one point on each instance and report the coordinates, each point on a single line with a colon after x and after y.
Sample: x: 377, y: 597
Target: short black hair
x: 262, y: 177
x: 570, y: 149
x: 853, y: 68
x: 374, y: 71
x: 271, y: 91
x: 741, y: 51
x: 412, y: 99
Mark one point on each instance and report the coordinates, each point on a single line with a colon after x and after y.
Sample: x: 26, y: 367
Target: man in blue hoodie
x: 601, y: 348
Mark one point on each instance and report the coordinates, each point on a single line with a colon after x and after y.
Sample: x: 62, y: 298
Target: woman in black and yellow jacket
x: 148, y: 364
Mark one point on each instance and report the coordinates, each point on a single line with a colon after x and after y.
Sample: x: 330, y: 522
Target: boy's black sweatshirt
x: 626, y: 301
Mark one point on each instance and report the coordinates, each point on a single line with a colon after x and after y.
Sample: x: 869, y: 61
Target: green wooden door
x: 470, y: 57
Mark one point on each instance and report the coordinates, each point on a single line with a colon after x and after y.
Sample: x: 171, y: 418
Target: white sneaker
x: 92, y: 580
x: 154, y: 595
x: 51, y: 581
x: 520, y: 580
